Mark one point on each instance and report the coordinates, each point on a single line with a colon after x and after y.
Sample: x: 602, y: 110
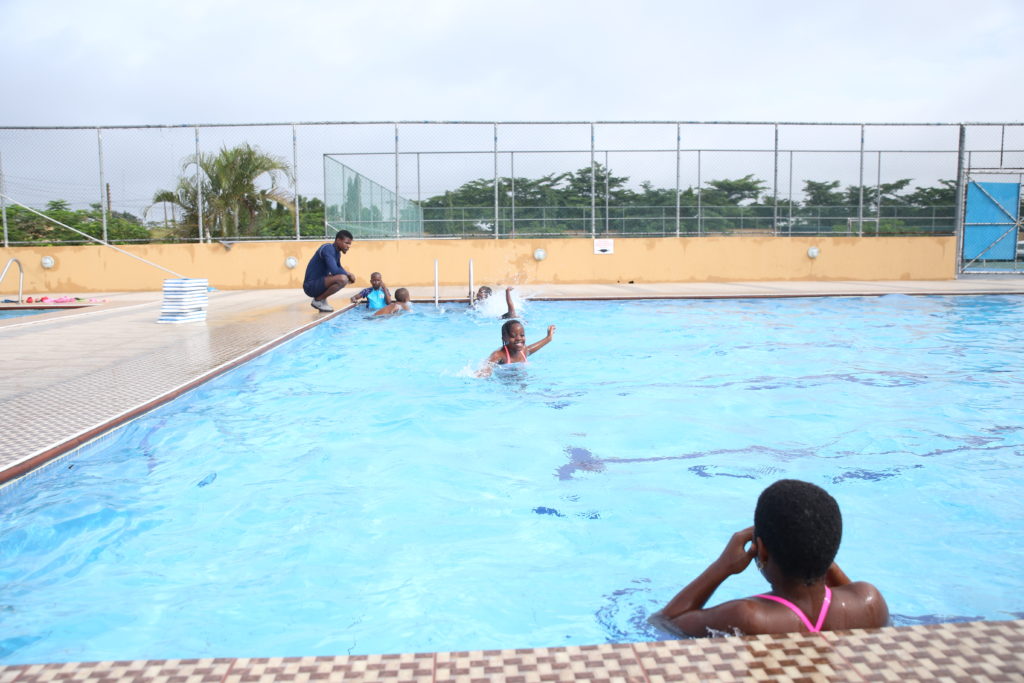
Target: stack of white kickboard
x: 185, y: 300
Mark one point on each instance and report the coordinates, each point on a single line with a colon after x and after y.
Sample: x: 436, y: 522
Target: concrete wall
x: 261, y: 265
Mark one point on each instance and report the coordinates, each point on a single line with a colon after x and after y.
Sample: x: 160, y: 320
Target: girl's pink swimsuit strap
x: 813, y: 628
x: 508, y: 357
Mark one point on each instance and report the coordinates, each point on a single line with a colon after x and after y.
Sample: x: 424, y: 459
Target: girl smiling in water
x: 514, y: 348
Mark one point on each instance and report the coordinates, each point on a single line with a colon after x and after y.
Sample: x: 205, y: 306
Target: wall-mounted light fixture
x: 47, y: 262
x: 813, y: 252
x: 539, y: 254
x: 291, y: 262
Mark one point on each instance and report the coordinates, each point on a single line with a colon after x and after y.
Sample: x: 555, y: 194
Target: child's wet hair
x: 506, y: 329
x: 402, y: 294
x: 801, y: 526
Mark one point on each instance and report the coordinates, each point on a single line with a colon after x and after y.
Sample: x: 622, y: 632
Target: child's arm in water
x: 496, y: 358
x: 538, y: 345
x: 393, y: 308
x: 685, y: 613
x: 511, y: 306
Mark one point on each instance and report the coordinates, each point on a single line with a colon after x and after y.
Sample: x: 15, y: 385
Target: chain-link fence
x: 499, y: 180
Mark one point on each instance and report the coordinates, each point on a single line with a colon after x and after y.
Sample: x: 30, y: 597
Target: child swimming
x: 484, y: 293
x: 514, y: 348
x: 399, y: 305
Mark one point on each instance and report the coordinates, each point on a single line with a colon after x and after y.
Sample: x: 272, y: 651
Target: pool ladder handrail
x: 21, y: 276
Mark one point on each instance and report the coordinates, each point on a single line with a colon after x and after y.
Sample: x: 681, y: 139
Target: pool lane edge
x: 40, y: 459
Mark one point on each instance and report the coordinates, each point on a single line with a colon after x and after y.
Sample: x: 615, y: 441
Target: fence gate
x: 992, y: 228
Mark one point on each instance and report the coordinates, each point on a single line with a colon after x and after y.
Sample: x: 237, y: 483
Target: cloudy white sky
x: 67, y: 62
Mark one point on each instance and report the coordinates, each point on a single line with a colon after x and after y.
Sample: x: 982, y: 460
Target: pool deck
x: 72, y: 374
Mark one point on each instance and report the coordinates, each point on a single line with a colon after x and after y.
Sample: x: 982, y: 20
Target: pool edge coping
x: 50, y: 454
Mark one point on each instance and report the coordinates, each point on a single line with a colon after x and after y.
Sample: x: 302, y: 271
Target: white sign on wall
x: 604, y: 246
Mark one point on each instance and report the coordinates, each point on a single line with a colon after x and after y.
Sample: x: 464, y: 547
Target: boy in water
x: 514, y: 348
x: 399, y: 305
x: 377, y: 295
x: 485, y: 293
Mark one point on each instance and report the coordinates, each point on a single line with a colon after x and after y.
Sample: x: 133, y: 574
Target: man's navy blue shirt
x: 326, y: 261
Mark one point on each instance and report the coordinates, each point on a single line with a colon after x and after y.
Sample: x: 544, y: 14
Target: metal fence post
x: 1002, y: 143
x: 878, y: 195
x: 199, y: 188
x: 324, y: 171
x: 677, y: 179
x: 103, y: 204
x: 512, y: 176
x: 3, y: 199
x: 495, y: 154
x: 295, y: 182
x: 398, y: 230
x: 593, y: 188
x: 607, y: 190
x: 775, y: 184
x: 860, y: 186
x: 700, y: 209
x: 789, y: 225
x: 961, y: 190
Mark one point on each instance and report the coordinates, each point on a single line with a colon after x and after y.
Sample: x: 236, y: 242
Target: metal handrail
x: 21, y: 275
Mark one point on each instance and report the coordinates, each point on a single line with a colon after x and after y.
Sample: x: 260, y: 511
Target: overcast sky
x: 106, y: 62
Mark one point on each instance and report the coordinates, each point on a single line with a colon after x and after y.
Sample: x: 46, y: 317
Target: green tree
x: 733, y: 192
x: 233, y: 186
x: 943, y: 195
x: 822, y: 194
x: 26, y: 226
x: 889, y: 192
x: 279, y: 220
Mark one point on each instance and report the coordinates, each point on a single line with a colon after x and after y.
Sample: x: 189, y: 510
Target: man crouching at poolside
x: 325, y: 275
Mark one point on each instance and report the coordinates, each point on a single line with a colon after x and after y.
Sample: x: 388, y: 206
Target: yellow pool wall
x: 262, y: 265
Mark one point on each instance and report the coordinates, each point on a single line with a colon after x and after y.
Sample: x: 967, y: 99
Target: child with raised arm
x: 399, y: 305
x: 794, y: 541
x: 514, y: 348
x: 485, y: 293
x: 377, y: 295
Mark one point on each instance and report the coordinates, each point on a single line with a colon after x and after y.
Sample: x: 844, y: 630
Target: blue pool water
x: 357, y: 490
x: 6, y: 313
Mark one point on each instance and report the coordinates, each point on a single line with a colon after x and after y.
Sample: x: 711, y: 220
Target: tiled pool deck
x: 68, y: 375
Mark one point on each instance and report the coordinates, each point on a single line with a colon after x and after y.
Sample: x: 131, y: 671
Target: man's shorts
x: 314, y: 288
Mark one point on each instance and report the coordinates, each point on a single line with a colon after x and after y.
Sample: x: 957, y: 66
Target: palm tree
x: 227, y: 182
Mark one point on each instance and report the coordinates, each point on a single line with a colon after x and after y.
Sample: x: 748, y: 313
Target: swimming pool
x: 417, y: 508
x: 6, y: 313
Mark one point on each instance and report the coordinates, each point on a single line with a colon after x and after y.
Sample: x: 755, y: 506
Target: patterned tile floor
x: 70, y: 374
x: 980, y: 651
